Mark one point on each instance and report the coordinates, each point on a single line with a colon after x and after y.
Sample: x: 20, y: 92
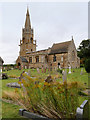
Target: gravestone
x: 25, y: 67
x: 38, y: 70
x: 69, y: 70
x: 0, y: 72
x: 81, y: 71
x: 64, y: 77
x: 14, y: 85
x: 82, y: 112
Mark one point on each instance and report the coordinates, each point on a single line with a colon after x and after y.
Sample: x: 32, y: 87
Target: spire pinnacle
x: 27, y: 10
x: 27, y: 22
x: 72, y: 37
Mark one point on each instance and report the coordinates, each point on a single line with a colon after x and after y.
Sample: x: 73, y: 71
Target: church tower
x: 27, y: 44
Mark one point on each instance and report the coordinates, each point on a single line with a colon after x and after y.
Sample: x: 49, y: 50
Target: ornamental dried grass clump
x: 53, y: 100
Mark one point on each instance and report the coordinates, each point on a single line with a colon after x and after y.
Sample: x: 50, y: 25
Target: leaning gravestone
x: 14, y: 85
x: 82, y: 112
x: 64, y: 77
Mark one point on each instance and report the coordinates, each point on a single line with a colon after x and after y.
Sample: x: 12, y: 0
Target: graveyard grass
x: 74, y: 76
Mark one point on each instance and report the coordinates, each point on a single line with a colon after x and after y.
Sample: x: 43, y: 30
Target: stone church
x: 59, y: 55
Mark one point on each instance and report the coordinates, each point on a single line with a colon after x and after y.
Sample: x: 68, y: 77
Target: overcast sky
x: 52, y: 23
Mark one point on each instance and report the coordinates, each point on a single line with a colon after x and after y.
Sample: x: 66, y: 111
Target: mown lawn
x: 11, y: 111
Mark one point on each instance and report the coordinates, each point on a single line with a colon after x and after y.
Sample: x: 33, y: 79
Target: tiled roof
x: 23, y: 59
x: 60, y: 47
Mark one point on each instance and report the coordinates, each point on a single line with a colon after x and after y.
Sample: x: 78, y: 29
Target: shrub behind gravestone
x: 59, y: 70
x: 87, y: 65
x: 81, y: 65
x: 4, y: 76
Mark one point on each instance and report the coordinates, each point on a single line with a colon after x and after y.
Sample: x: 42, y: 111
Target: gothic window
x: 54, y: 58
x: 37, y: 59
x: 30, y: 60
x: 46, y: 58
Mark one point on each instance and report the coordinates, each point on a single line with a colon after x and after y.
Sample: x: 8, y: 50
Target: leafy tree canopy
x: 84, y: 49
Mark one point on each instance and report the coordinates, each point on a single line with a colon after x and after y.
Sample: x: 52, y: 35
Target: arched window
x: 30, y: 60
x: 37, y: 59
x: 46, y: 58
x: 54, y: 58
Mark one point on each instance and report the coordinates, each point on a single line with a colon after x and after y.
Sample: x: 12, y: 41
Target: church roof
x: 60, y: 47
x: 1, y: 60
x: 23, y: 59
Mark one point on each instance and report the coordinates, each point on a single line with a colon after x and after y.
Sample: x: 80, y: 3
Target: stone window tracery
x: 37, y: 59
x: 54, y: 58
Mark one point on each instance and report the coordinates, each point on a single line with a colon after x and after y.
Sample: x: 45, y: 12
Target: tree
x: 84, y: 50
x: 87, y: 65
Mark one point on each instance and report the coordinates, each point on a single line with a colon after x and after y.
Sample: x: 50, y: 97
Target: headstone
x: 59, y: 67
x: 38, y: 70
x: 81, y: 71
x: 82, y: 112
x: 64, y: 77
x: 25, y: 67
x: 15, y: 85
x: 0, y: 72
x: 69, y: 70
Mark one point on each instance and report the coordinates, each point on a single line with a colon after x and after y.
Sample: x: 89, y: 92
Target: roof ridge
x: 62, y: 42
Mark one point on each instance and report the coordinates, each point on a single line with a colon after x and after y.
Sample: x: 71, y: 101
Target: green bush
x: 87, y: 65
x: 81, y: 65
x: 59, y: 70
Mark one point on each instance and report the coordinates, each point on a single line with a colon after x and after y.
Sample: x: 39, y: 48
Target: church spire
x: 27, y: 22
